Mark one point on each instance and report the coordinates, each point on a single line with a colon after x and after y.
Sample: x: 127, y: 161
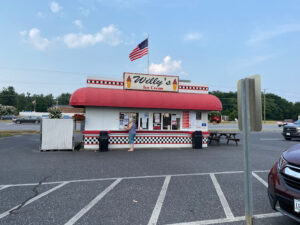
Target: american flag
x: 139, y: 51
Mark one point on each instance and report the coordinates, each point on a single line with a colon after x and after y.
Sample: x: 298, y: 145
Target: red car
x: 284, y: 183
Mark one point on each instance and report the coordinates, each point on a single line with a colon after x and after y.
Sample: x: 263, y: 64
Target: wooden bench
x: 233, y: 139
x: 214, y: 138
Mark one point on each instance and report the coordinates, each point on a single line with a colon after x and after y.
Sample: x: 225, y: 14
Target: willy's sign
x: 148, y: 82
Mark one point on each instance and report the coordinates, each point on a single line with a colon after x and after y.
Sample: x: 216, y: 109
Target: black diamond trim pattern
x: 143, y: 140
x: 193, y: 88
x: 118, y: 83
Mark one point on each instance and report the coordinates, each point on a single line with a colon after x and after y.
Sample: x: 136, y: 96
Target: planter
x: 57, y: 134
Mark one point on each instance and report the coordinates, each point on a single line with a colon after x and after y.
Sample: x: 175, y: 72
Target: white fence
x: 57, y: 134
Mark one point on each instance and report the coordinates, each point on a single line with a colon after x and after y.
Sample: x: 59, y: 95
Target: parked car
x: 291, y: 130
x: 284, y: 122
x: 284, y: 183
x: 8, y: 117
x: 27, y: 119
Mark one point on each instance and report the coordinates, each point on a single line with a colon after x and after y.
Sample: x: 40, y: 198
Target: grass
x: 8, y: 133
x: 5, y: 121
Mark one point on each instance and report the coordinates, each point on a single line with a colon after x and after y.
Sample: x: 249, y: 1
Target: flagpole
x: 148, y: 54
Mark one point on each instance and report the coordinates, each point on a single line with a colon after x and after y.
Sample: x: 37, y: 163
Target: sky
x: 52, y: 46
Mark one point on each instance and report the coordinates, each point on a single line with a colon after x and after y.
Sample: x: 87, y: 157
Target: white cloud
x: 34, y: 37
x: 194, y: 36
x: 168, y: 66
x: 78, y: 23
x: 110, y: 35
x: 55, y: 7
x: 268, y: 34
x: 23, y: 33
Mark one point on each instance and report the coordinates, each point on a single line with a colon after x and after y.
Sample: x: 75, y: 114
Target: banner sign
x: 185, y: 119
x: 148, y: 82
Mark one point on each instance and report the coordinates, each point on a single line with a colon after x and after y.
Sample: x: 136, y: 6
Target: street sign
x: 254, y: 99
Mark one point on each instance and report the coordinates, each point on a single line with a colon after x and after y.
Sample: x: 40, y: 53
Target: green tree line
x: 277, y: 108
x: 28, y: 102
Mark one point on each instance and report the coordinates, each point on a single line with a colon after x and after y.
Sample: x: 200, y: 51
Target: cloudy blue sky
x: 51, y: 46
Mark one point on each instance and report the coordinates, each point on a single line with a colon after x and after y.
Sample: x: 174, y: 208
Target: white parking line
x: 92, y: 203
x: 228, y: 220
x: 222, y: 197
x: 156, y: 211
x: 271, y: 139
x: 260, y: 179
x: 137, y: 177
x: 4, y: 187
x: 34, y: 199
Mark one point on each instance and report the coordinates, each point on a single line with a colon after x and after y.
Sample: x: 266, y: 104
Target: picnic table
x: 230, y: 136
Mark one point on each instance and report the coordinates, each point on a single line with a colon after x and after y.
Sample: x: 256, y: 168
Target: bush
x: 7, y: 110
x: 79, y: 117
x: 54, y: 112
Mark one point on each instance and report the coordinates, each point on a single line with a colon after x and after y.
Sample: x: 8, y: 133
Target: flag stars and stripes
x: 139, y: 51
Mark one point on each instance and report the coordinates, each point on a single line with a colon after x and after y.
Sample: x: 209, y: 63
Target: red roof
x: 89, y: 96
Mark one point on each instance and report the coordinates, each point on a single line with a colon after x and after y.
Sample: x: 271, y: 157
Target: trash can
x: 197, y: 139
x: 103, y: 141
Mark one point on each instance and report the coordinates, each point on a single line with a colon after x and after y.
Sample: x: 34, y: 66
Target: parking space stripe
x: 228, y: 220
x: 156, y: 211
x: 34, y: 199
x: 137, y: 177
x: 4, y: 187
x: 84, y: 210
x: 222, y: 197
x: 260, y: 179
x: 268, y: 215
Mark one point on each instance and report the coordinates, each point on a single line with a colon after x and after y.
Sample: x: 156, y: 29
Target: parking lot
x: 147, y: 186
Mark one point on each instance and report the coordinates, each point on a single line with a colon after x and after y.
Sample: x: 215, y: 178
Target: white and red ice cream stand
x: 166, y: 111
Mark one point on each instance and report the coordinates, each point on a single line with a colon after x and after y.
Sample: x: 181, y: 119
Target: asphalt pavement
x: 161, y: 186
x: 8, y: 125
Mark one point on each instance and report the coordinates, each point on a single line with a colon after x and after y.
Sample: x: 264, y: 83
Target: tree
x: 64, y: 99
x: 8, y: 96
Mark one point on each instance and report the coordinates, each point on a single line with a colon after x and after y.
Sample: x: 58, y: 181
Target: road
x: 223, y: 126
x: 161, y: 186
x: 234, y: 126
x: 13, y: 126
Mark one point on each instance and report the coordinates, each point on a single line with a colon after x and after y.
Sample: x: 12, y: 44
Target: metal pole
x: 148, y: 54
x: 264, y: 105
x: 247, y: 157
x: 34, y: 105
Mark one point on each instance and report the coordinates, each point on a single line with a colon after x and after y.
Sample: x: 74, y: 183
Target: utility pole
x: 265, y: 105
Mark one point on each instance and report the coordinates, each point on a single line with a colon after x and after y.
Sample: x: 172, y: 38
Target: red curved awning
x: 144, y: 99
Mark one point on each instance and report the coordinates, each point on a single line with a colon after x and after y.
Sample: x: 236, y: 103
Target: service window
x: 198, y: 116
x: 124, y: 119
x: 156, y: 121
x: 198, y: 120
x: 175, y: 122
x: 171, y: 121
x: 144, y: 121
x: 166, y: 121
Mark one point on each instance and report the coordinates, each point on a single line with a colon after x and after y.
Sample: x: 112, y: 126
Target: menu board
x: 185, y: 119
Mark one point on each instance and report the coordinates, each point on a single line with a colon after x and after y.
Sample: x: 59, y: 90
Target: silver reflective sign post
x: 247, y: 158
x: 249, y: 107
